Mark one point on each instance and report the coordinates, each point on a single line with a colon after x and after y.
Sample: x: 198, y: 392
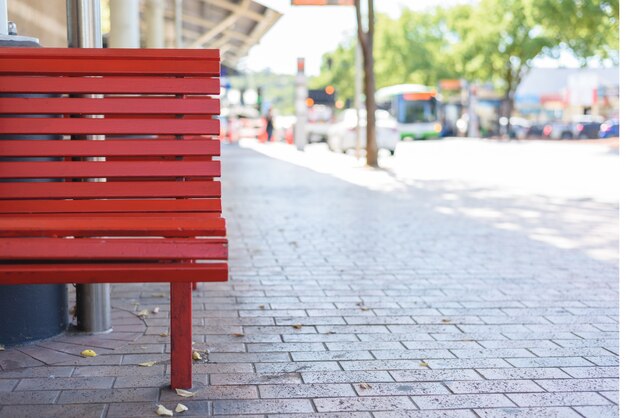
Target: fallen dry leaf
x: 143, y: 313
x: 147, y: 364
x: 196, y: 356
x: 423, y: 364
x: 163, y: 334
x: 184, y: 393
x: 156, y: 310
x: 181, y: 408
x: 88, y: 353
x: 297, y: 326
x: 164, y: 412
x: 445, y: 321
x: 330, y: 332
x: 365, y: 308
x: 158, y: 295
x: 365, y: 386
x: 261, y: 306
x: 237, y: 334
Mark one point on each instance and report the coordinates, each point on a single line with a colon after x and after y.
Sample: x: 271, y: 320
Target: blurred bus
x: 414, y: 106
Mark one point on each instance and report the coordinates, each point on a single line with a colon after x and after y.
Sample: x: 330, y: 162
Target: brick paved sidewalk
x: 351, y: 302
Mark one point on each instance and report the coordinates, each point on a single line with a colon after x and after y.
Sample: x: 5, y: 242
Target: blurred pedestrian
x: 269, y: 124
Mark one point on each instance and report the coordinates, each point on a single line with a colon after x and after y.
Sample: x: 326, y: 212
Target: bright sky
x: 310, y: 31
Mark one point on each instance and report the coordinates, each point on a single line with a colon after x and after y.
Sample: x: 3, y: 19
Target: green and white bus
x: 414, y: 106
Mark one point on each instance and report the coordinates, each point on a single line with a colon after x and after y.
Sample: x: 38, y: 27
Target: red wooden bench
x: 142, y: 205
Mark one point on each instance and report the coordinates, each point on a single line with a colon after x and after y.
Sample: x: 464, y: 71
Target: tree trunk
x: 366, y: 41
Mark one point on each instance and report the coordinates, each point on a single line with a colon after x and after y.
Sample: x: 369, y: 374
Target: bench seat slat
x: 112, y: 249
x: 105, y: 65
x: 110, y: 206
x: 109, y: 105
x: 109, y: 85
x: 90, y: 169
x: 111, y: 190
x: 102, y: 126
x: 112, y: 273
x: 109, y: 148
x: 112, y: 225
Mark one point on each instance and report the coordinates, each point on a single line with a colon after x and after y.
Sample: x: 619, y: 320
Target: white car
x: 342, y: 134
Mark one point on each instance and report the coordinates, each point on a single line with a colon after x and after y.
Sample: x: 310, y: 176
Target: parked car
x: 342, y: 134
x: 518, y: 129
x: 587, y: 130
x: 609, y: 129
x: 558, y: 130
x: 535, y: 131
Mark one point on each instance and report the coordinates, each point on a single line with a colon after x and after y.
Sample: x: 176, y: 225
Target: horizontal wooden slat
x: 112, y: 273
x: 110, y: 206
x: 109, y: 106
x: 109, y: 85
x: 111, y: 225
x: 109, y: 148
x: 113, y: 126
x: 91, y: 169
x: 112, y: 249
x: 96, y: 66
x: 115, y: 190
x: 112, y: 53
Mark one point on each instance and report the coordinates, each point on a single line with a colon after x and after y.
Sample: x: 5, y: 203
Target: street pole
x: 154, y: 24
x: 93, y: 301
x: 124, y: 24
x: 178, y: 23
x: 299, y: 135
x: 4, y: 18
x: 358, y: 90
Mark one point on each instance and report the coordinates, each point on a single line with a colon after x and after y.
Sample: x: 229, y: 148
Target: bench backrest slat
x: 153, y: 111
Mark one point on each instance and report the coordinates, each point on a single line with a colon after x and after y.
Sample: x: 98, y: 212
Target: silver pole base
x: 93, y: 308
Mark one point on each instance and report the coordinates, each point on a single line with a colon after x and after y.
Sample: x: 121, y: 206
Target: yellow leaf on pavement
x: 365, y: 386
x: 181, y: 408
x: 423, y: 364
x: 147, y: 364
x: 196, y: 356
x: 88, y: 353
x: 297, y: 326
x: 164, y: 412
x: 143, y: 313
x: 184, y: 393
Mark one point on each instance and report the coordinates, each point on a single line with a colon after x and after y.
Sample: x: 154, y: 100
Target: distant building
x: 560, y: 93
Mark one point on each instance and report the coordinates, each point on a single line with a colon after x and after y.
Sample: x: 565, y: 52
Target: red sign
x: 322, y: 2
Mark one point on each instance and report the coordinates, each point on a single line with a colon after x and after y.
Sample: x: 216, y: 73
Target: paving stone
x: 558, y: 399
x: 254, y: 378
x: 65, y: 383
x: 262, y: 406
x: 607, y: 411
x: 526, y: 373
x: 28, y: 397
x: 612, y: 395
x: 494, y: 386
x: 7, y: 385
x: 549, y: 362
x: 346, y: 377
x: 108, y: 395
x: 434, y: 375
x: 548, y: 412
x: 451, y: 413
x: 579, y: 385
x: 462, y: 401
x: 306, y: 391
x: 400, y: 389
x: 589, y: 372
x: 212, y: 392
x: 53, y: 411
x: 364, y: 404
x: 46, y: 371
x: 148, y: 409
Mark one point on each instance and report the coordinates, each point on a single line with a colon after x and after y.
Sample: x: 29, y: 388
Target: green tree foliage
x: 492, y: 41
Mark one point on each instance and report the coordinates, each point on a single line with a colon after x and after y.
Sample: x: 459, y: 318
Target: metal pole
x: 4, y: 18
x: 93, y: 301
x: 358, y: 90
x: 124, y: 24
x: 178, y: 23
x: 301, y: 109
x: 154, y: 24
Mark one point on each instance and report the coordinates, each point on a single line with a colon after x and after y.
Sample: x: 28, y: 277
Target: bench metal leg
x: 180, y: 335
